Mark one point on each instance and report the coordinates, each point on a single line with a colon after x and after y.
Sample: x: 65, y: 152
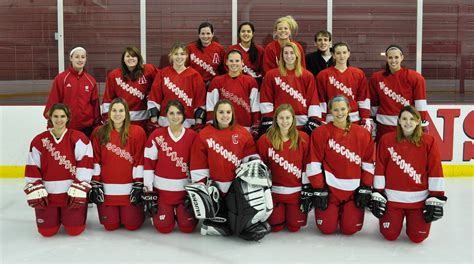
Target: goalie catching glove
x: 36, y: 194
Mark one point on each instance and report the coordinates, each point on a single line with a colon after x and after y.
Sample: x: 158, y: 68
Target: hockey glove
x: 311, y: 124
x: 77, y: 194
x: 433, y: 209
x: 256, y: 231
x: 321, y: 198
x: 150, y: 203
x: 265, y: 125
x: 96, y: 194
x: 368, y: 124
x: 424, y: 126
x: 150, y: 126
x: 378, y: 204
x: 200, y: 116
x: 136, y: 193
x: 306, y: 198
x: 362, y: 196
x: 198, y: 127
x: 37, y: 195
x: 254, y: 130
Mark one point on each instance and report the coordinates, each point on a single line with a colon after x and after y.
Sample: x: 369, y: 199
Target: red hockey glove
x: 36, y: 194
x: 77, y: 194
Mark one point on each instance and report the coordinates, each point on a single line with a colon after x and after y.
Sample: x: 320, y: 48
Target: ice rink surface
x: 450, y: 240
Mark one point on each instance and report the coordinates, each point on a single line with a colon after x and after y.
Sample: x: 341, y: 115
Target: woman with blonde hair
x: 285, y: 150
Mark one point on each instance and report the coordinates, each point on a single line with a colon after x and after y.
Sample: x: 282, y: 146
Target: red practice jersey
x: 242, y: 91
x: 299, y: 92
x: 79, y: 92
x: 218, y: 152
x: 186, y: 87
x: 347, y: 159
x: 408, y: 174
x: 118, y: 166
x: 287, y: 167
x: 207, y: 62
x: 167, y: 164
x: 59, y: 162
x: 352, y: 84
x: 271, y: 55
x: 135, y: 92
x: 254, y: 69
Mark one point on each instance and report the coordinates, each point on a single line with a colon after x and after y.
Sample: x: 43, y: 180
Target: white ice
x: 450, y: 240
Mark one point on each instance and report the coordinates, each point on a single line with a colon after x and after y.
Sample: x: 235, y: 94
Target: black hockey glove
x: 362, y: 196
x: 306, y: 199
x: 310, y: 125
x: 136, y: 193
x: 96, y: 194
x: 265, y: 125
x: 150, y: 203
x: 200, y: 116
x: 433, y: 209
x: 321, y: 198
x: 256, y: 231
x: 378, y: 204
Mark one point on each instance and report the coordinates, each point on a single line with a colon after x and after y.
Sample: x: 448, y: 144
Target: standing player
x: 238, y: 88
x: 392, y: 89
x: 181, y: 83
x: 206, y: 56
x: 252, y: 54
x: 167, y: 155
x: 57, y: 174
x: 283, y: 29
x: 285, y: 150
x: 78, y: 90
x: 132, y: 82
x: 291, y: 84
x: 321, y: 59
x: 340, y: 173
x: 118, y: 169
x: 346, y: 80
x: 408, y: 180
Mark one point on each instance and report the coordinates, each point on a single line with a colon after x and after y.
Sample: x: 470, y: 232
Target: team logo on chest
x: 178, y: 91
x: 226, y: 154
x: 295, y: 94
x: 345, y: 152
x: 282, y: 162
x: 119, y: 152
x: 406, y: 167
x: 341, y: 87
x: 393, y: 95
x: 235, y: 99
x: 130, y: 89
x: 62, y: 159
x: 173, y: 155
x: 86, y: 88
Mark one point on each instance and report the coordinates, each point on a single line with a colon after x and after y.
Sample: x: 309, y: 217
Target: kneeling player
x: 167, y: 155
x: 408, y: 180
x: 58, y: 171
x: 285, y: 150
x: 118, y: 169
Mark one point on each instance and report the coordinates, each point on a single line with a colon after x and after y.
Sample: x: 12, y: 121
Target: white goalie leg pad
x: 254, y: 172
x: 204, y: 200
x: 260, y: 199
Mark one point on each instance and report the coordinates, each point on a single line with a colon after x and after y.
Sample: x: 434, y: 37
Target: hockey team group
x: 242, y: 142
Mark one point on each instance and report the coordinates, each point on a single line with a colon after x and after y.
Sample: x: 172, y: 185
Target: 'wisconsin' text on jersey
x: 291, y: 91
x: 342, y: 87
x: 178, y: 92
x: 404, y: 166
x: 202, y: 64
x: 131, y: 90
x: 57, y: 156
x: 391, y: 94
x: 351, y: 156
x: 172, y: 154
x: 235, y: 99
x: 289, y: 167
x: 119, y: 152
x: 228, y: 155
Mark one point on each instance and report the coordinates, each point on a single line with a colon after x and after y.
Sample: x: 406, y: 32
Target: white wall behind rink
x: 19, y: 124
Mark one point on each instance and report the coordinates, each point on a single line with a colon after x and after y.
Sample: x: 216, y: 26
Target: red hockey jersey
x: 118, y: 166
x: 347, y: 159
x: 287, y: 167
x: 254, y: 69
x: 352, y: 84
x: 389, y: 94
x: 299, y: 92
x: 79, y: 92
x: 186, y: 87
x: 209, y: 62
x: 408, y: 174
x: 218, y: 152
x: 167, y: 164
x: 134, y: 92
x: 271, y: 55
x: 59, y: 162
x: 242, y: 91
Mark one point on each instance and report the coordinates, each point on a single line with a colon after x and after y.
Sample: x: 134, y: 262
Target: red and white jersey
x: 408, y: 174
x: 352, y: 84
x: 118, y: 166
x: 287, y: 166
x: 242, y: 91
x: 207, y: 62
x: 59, y: 162
x: 299, y: 92
x: 218, y: 152
x: 271, y: 55
x: 167, y: 163
x: 135, y: 92
x: 79, y: 92
x: 389, y: 94
x: 347, y: 159
x: 186, y: 87
x: 254, y: 69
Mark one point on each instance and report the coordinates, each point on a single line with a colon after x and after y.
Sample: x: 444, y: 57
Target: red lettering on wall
x: 445, y: 142
x: 468, y: 146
